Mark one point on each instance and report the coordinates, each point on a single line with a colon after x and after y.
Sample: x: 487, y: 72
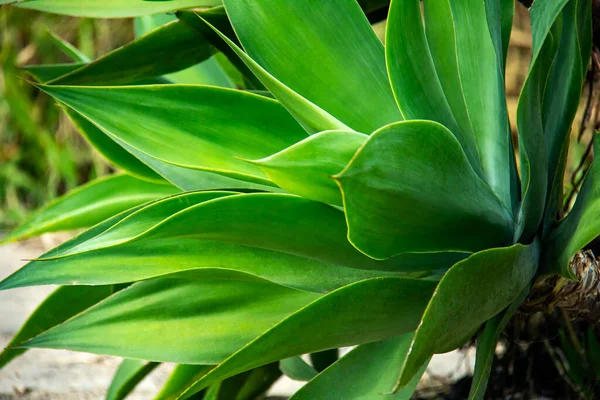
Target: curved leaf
x: 367, y: 372
x: 410, y: 188
x: 198, y: 127
x: 47, y: 72
x: 297, y: 369
x: 306, y: 167
x: 323, y: 55
x: 182, y: 377
x: 470, y: 293
x: 363, y: 312
x: 112, y: 8
x: 129, y: 374
x: 90, y: 204
x: 61, y: 305
x: 68, y: 49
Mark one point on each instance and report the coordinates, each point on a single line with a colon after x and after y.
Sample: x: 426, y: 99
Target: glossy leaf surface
x: 90, y: 204
x: 392, y: 210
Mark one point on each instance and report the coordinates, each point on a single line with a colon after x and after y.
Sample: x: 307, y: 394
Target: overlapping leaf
x: 128, y: 375
x: 410, y: 188
x: 90, y: 204
x: 182, y: 377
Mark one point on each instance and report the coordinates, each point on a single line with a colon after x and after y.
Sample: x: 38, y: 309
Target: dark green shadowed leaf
x: 414, y: 78
x: 114, y: 153
x: 321, y: 360
x: 323, y: 55
x: 112, y: 8
x: 470, y: 293
x: 391, y: 209
x: 297, y: 369
x: 363, y: 312
x: 169, y: 48
x: 367, y: 372
x: 48, y: 72
x: 199, y: 127
x: 245, y: 386
x: 500, y: 14
x: 62, y: 304
x: 182, y: 377
x: 306, y: 167
x: 90, y: 204
x: 129, y: 374
x: 579, y: 228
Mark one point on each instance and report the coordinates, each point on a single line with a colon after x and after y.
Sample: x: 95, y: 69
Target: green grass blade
x: 128, y: 375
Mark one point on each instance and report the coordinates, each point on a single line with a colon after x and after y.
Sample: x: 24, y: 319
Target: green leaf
x: 321, y: 360
x: 112, y: 8
x: 114, y: 153
x: 47, y: 72
x: 470, y: 293
x: 579, y: 228
x: 182, y: 377
x: 68, y: 49
x: 90, y: 204
x: 246, y: 386
x: 129, y: 374
x: 413, y: 75
x: 323, y: 55
x: 306, y: 167
x: 169, y: 48
x: 367, y: 372
x: 391, y: 209
x: 484, y: 93
x: 363, y: 312
x: 61, y: 305
x: 486, y: 347
x: 310, y: 116
x: 297, y: 369
x: 238, y: 124
x: 500, y: 15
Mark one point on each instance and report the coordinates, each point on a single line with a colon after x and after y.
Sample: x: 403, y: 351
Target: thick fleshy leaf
x: 182, y: 377
x: 68, y: 49
x: 112, y: 8
x: 114, y: 153
x: 486, y: 347
x: 363, y: 312
x: 367, y: 372
x: 306, y: 167
x: 310, y: 116
x: 416, y: 83
x: 484, y: 93
x: 579, y: 228
x: 297, y: 369
x: 500, y: 15
x: 47, y: 72
x: 470, y: 293
x: 169, y: 48
x: 90, y: 204
x: 128, y: 375
x: 323, y: 55
x: 410, y: 188
x: 62, y: 304
x: 199, y: 127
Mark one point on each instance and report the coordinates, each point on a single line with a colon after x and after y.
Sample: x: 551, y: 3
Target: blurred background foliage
x: 41, y: 154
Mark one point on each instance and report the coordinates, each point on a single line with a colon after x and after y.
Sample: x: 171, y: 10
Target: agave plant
x: 316, y: 190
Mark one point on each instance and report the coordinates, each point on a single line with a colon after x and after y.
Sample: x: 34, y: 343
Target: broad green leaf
x: 48, y: 72
x: 90, y: 204
x: 169, y: 48
x: 413, y: 75
x: 363, y: 312
x: 543, y: 16
x: 470, y: 293
x: 198, y: 127
x: 500, y: 14
x: 579, y: 228
x: 484, y: 93
x: 368, y: 372
x: 410, y: 188
x: 310, y: 116
x: 306, y: 167
x: 486, y: 347
x: 114, y: 153
x: 441, y: 38
x: 182, y: 377
x: 297, y: 369
x: 112, y: 8
x: 208, y: 72
x: 68, y: 49
x: 61, y: 305
x: 315, y: 55
x: 129, y: 374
